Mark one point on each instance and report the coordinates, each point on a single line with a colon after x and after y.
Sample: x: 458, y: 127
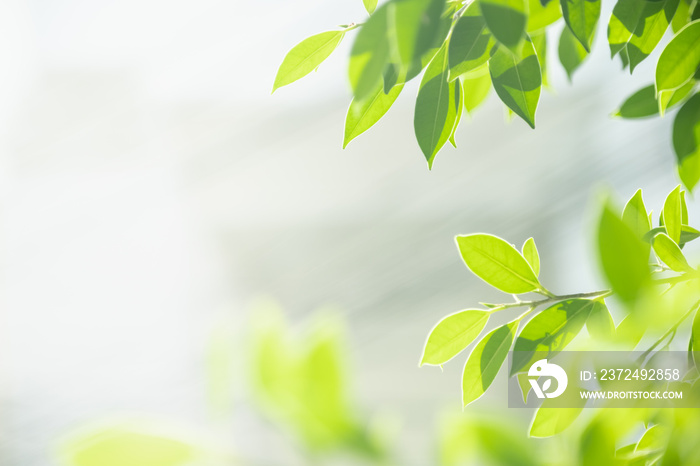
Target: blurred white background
x: 152, y: 187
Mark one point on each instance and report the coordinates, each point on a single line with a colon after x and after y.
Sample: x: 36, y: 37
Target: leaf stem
x: 670, y: 332
x: 551, y: 299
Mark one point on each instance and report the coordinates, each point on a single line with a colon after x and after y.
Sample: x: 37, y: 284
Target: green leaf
x: 435, y: 112
x: 524, y: 384
x: 363, y: 114
x: 636, y: 26
x: 600, y: 323
x: 688, y: 234
x: 551, y: 421
x: 684, y: 211
x: 416, y: 24
x: 459, y: 104
x: 370, y: 54
x: 497, y: 263
x: 452, y: 334
x: 370, y: 5
x: 531, y: 255
x: 485, y: 361
x: 695, y: 340
x: 541, y: 16
x: 679, y: 60
x: 470, y: 42
x: 682, y: 16
x: 539, y: 41
x: 506, y: 19
x: 670, y: 254
x: 550, y: 331
x: 686, y: 141
x: 517, y: 81
x: 582, y: 18
x: 476, y: 90
x: 635, y: 215
x: 672, y: 214
x: 643, y: 103
x: 571, y: 52
x: 306, y: 56
x: 630, y: 331
x: 623, y: 256
x: 654, y: 439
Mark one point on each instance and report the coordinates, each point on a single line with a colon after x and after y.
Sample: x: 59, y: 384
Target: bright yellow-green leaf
x: 630, y: 331
x: 485, y: 361
x: 679, y: 60
x: 370, y: 5
x: 506, y: 19
x: 540, y: 16
x: 459, y: 103
x: 470, y: 42
x: 670, y: 254
x: 518, y: 81
x: 636, y: 26
x: 600, y: 323
x: 695, y: 340
x: 686, y: 141
x: 476, y: 89
x: 550, y: 421
x: 498, y: 263
x: 539, y: 41
x: 370, y: 54
x: 306, y: 56
x: 672, y: 214
x: 531, y: 255
x: 643, y: 103
x: 571, y: 52
x: 635, y: 215
x: 654, y: 439
x: 550, y: 331
x: 682, y: 16
x: 623, y: 256
x: 452, y: 334
x: 363, y: 114
x: 436, y: 109
x: 582, y: 18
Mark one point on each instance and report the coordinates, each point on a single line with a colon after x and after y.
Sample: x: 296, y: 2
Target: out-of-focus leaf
x: 695, y: 341
x: 598, y: 445
x: 679, y: 60
x: 506, y: 19
x: 630, y: 331
x: 306, y: 56
x: 682, y: 16
x: 550, y: 421
x: 571, y: 52
x: 416, y: 24
x: 370, y: 54
x: 635, y: 215
x: 470, y: 42
x: 670, y: 254
x: 541, y: 16
x: 643, y: 103
x: 365, y: 113
x: 539, y: 41
x: 550, y: 331
x: 524, y: 384
x: 452, y: 334
x: 600, y: 323
x: 476, y: 90
x: 370, y: 5
x: 653, y: 440
x: 636, y: 26
x: 518, y: 81
x: 623, y: 256
x: 684, y: 211
x: 531, y: 255
x: 688, y: 234
x: 672, y: 214
x: 459, y: 104
x: 436, y: 111
x: 686, y: 141
x: 485, y: 361
x: 119, y: 446
x: 497, y: 263
x: 582, y: 18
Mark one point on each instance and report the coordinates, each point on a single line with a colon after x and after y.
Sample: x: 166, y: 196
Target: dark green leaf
x: 571, y: 52
x: 679, y: 60
x: 506, y: 19
x: 485, y: 361
x: 497, y: 263
x: 365, y: 113
x: 550, y: 331
x: 306, y: 56
x: 435, y: 112
x: 370, y: 53
x: 416, y: 25
x: 582, y: 18
x: 470, y: 42
x: 686, y: 141
x: 452, y: 334
x: 517, y: 81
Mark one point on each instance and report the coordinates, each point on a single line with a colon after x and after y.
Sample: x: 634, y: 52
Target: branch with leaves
x: 465, y: 48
